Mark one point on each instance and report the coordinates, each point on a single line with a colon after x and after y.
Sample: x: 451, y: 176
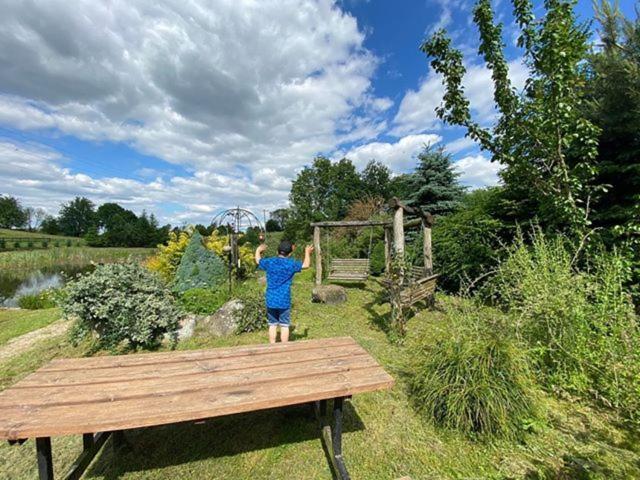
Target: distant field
x: 67, y: 256
x: 24, y: 240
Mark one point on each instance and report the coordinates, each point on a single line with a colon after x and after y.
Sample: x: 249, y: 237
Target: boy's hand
x: 261, y: 248
x: 308, y: 249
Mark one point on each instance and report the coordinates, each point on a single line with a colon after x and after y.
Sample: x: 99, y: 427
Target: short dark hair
x: 285, y: 247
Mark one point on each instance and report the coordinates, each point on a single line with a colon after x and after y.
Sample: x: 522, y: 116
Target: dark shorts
x: 279, y: 316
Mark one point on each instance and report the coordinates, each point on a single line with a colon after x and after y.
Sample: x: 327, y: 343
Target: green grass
x: 14, y: 323
x: 67, y: 256
x: 385, y: 437
x: 8, y: 233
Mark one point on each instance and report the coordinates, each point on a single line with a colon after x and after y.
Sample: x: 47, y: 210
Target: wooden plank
x: 108, y: 361
x: 351, y: 223
x: 159, y: 410
x: 132, y: 373
x: 141, y: 389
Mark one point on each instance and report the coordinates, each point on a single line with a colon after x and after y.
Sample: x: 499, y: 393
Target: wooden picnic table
x: 98, y: 396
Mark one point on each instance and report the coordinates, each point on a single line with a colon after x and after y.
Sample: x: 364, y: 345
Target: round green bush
x: 468, y: 375
x: 377, y: 259
x: 253, y: 316
x: 2, y: 244
x: 121, y: 303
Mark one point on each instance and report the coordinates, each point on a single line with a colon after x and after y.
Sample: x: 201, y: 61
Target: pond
x: 15, y: 285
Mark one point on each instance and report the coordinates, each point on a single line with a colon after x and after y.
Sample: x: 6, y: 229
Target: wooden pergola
x: 393, y: 235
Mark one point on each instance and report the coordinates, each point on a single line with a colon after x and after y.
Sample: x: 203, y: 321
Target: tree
x: 614, y: 105
x: 322, y: 191
x: 376, y: 180
x: 50, y: 225
x: 434, y: 184
x: 273, y: 226
x: 109, y: 214
x: 543, y: 139
x: 77, y: 216
x: 12, y: 215
x: 279, y: 218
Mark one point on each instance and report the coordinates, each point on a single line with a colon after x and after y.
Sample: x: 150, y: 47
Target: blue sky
x: 186, y: 108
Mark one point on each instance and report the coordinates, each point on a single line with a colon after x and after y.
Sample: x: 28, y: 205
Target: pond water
x: 14, y: 285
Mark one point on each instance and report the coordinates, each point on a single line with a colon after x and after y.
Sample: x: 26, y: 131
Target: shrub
x: 470, y: 375
x: 16, y: 244
x: 56, y: 244
x: 30, y: 244
x: 253, y: 316
x: 121, y: 303
x: 199, y: 267
x: 2, y: 244
x: 580, y: 324
x: 377, y: 259
x: 203, y: 301
x: 167, y: 260
x: 45, y: 243
x: 68, y: 243
x: 216, y: 242
x: 37, y: 301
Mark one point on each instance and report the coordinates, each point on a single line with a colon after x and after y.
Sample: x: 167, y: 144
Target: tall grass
x: 579, y: 324
x: 472, y: 376
x: 71, y: 256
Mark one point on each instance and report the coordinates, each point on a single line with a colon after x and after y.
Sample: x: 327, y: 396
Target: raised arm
x: 258, y: 256
x: 307, y: 256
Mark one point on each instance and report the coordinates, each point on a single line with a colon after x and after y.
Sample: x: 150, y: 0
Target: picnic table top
x: 88, y: 395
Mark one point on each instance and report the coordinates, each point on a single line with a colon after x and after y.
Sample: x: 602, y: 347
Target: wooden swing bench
x: 102, y: 396
x: 416, y: 286
x: 349, y: 270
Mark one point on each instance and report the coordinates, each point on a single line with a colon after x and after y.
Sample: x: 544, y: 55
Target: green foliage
x: 12, y: 215
x: 3, y: 244
x: 50, y: 225
x: 434, y: 184
x: 580, y: 324
x: 376, y: 180
x: 121, y: 303
x: 377, y: 259
x: 199, y: 267
x: 253, y: 316
x: 77, y: 217
x: 467, y: 244
x: 37, y: 301
x: 203, y: 301
x: 470, y: 374
x: 543, y: 138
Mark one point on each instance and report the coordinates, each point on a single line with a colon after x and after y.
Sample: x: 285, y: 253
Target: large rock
x: 224, y: 321
x: 330, y: 294
x: 187, y: 326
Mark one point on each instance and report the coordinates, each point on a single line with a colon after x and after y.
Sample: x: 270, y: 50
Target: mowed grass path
x: 25, y: 261
x: 14, y: 323
x: 384, y: 438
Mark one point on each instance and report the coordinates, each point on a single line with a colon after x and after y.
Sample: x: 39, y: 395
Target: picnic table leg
x: 87, y: 441
x: 336, y: 439
x: 45, y: 460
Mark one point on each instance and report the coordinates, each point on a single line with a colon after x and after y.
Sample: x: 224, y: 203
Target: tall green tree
x: 322, y: 191
x: 543, y: 138
x: 434, y: 185
x: 12, y: 215
x: 77, y: 217
x: 614, y: 105
x: 376, y: 180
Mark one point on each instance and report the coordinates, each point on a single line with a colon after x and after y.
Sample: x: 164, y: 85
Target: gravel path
x: 17, y: 345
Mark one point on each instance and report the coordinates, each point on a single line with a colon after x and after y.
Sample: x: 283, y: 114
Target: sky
x: 184, y: 108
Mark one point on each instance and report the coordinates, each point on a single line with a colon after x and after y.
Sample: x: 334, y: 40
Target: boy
x: 280, y: 271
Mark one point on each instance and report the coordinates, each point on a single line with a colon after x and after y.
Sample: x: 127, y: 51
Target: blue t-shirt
x: 280, y: 272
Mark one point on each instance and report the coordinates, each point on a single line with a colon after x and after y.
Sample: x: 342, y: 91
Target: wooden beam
x: 387, y: 250
x: 426, y: 249
x: 398, y: 232
x: 352, y: 223
x: 318, y: 252
x: 397, y: 204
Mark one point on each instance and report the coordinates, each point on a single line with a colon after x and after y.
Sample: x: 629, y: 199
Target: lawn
x: 9, y: 233
x: 385, y: 438
x: 14, y: 323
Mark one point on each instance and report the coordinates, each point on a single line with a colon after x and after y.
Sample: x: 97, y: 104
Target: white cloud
x: 416, y: 113
x: 477, y: 171
x: 460, y: 145
x: 399, y: 156
x: 216, y: 86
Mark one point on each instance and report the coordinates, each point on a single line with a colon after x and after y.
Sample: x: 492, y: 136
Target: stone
x: 187, y: 327
x: 225, y: 321
x: 330, y: 294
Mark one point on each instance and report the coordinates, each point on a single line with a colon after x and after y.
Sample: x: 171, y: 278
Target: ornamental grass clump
x: 122, y: 305
x: 469, y: 375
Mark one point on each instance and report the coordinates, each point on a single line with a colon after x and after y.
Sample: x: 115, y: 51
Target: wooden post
x: 387, y: 249
x: 318, y: 251
x: 398, y: 232
x: 426, y: 249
